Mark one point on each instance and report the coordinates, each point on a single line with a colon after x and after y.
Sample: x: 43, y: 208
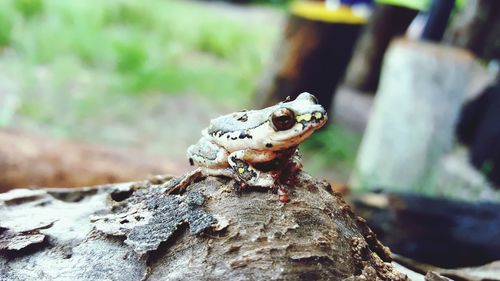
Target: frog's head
x: 292, y: 122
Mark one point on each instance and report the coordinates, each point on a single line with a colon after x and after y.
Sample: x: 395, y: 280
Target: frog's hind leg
x: 211, y: 159
x: 205, y: 153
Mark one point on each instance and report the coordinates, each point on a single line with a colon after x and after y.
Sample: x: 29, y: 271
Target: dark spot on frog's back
x: 243, y: 118
x: 215, y: 133
x: 269, y: 145
x: 243, y: 135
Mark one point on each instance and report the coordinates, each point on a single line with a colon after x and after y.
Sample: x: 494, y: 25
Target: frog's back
x: 238, y: 121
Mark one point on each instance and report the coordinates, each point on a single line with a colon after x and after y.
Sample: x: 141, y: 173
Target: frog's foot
x: 250, y: 176
x: 264, y: 179
x: 290, y: 178
x: 240, y: 186
x: 197, y: 175
x: 276, y: 174
x: 289, y: 175
x: 245, y: 172
x: 294, y: 167
x: 283, y: 194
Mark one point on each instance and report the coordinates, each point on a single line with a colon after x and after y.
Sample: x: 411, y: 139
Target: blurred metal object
x: 435, y: 231
x: 437, y: 20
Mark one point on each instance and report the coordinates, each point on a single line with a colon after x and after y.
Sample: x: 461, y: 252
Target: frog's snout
x: 316, y: 117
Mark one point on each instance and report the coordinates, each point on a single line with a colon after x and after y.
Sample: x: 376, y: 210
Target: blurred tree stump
x: 477, y: 28
x: 312, y: 57
x: 385, y: 23
x: 413, y: 120
x: 27, y: 161
x: 138, y: 232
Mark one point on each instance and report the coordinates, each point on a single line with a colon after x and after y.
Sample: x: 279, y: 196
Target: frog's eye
x: 283, y: 119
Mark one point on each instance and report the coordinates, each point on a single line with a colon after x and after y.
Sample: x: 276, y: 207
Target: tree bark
x: 137, y: 232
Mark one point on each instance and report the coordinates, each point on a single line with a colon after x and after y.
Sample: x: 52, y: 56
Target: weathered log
x: 27, y: 160
x: 413, y: 119
x: 137, y: 232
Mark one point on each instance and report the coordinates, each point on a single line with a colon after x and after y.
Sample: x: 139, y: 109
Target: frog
x: 256, y: 147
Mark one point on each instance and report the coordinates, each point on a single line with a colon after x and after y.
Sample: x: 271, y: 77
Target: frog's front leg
x: 211, y: 159
x: 206, y: 153
x: 291, y: 169
x: 241, y: 162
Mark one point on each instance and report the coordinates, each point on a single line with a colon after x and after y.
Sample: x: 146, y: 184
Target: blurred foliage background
x: 143, y: 74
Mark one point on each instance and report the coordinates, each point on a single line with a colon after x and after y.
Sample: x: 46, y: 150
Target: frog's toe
x: 283, y: 194
x: 276, y: 175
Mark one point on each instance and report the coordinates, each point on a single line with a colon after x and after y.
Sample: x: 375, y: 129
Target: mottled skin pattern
x: 257, y: 147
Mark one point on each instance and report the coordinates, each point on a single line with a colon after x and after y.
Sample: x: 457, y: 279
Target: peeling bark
x: 138, y: 232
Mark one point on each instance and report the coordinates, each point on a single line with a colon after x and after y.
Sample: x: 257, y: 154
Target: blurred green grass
x: 332, y: 149
x: 135, y: 47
